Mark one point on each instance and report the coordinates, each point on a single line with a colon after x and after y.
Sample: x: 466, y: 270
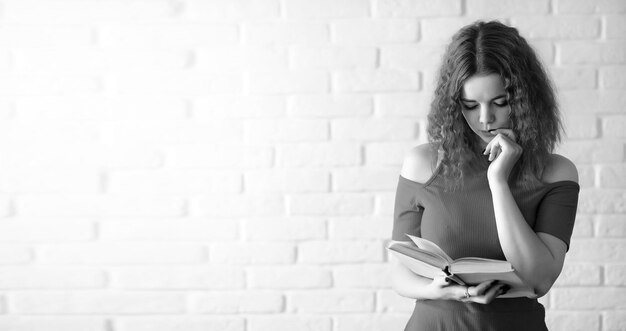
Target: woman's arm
x: 537, y: 257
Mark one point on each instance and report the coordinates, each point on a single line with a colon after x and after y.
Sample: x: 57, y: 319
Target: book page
x: 430, y: 246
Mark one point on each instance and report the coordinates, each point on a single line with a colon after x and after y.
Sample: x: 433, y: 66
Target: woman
x: 487, y: 184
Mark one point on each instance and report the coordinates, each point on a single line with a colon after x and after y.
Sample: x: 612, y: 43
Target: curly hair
x: 484, y: 48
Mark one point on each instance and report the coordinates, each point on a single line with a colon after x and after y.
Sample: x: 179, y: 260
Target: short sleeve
x: 557, y: 211
x: 407, y: 215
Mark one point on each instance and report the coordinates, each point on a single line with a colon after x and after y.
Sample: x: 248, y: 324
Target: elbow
x: 542, y: 288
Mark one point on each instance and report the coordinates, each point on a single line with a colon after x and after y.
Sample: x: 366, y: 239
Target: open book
x: 426, y: 259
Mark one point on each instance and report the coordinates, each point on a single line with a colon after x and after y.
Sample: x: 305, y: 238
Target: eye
x: 469, y: 107
x: 501, y: 103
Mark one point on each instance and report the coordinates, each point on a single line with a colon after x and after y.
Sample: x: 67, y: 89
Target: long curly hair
x: 484, y: 48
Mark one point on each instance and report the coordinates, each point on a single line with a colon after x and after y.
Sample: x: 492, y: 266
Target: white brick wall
x: 231, y: 164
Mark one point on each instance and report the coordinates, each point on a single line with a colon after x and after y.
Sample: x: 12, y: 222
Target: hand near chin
x: 503, y: 152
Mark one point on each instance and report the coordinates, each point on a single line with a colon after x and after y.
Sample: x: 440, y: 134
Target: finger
x: 481, y: 288
x: 493, y: 292
x: 442, y: 281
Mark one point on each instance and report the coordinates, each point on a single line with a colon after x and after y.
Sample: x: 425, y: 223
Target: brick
x: 53, y: 323
x: 289, y: 82
x: 168, y: 230
x: 324, y: 106
x: 121, y: 254
x: 614, y: 320
x: 286, y: 33
x: 330, y: 204
x: 359, y: 228
x: 613, y: 77
x: 238, y: 106
x: 49, y: 84
x: 368, y: 276
x: 236, y: 10
x: 590, y: 7
x: 615, y: 274
x: 86, y: 60
x: 176, y: 83
x: 174, y: 181
x: 614, y: 126
x: 324, y: 57
x: 50, y: 36
x: 596, y: 53
x: 602, y: 201
x: 560, y: 28
x: 234, y: 206
x: 7, y: 207
x: 591, y: 298
x: 411, y: 56
x: 228, y: 302
x: 7, y: 108
x: 407, y: 8
x: 285, y: 322
x: 284, y: 229
x: 364, y: 179
x: 167, y: 36
x: 382, y: 80
x: 544, y: 49
x: 55, y: 230
x: 374, y: 31
x: 218, y: 156
x: 292, y: 180
x: 583, y: 228
x: 177, y: 278
x: 370, y: 322
x: 441, y: 29
x: 593, y: 151
x: 373, y: 129
x: 581, y: 126
x: 591, y: 101
x: 597, y: 250
x: 65, y: 12
x: 288, y: 277
x: 187, y: 323
x: 386, y: 153
x: 339, y: 252
x: 579, y: 321
x: 99, y: 206
x: 302, y: 9
x: 233, y: 58
x: 51, y: 278
x: 384, y: 204
x: 327, y: 301
x: 100, y: 108
x: 97, y: 302
x: 485, y: 8
x: 579, y: 274
x: 252, y: 253
x: 319, y: 154
x: 413, y: 105
x: 286, y: 130
x: 612, y: 176
x: 390, y: 302
x: 49, y: 132
x: 611, y: 226
x: 573, y: 78
x: 615, y: 26
x: 57, y: 181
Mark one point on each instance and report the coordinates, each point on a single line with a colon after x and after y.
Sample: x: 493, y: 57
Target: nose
x: 486, y: 115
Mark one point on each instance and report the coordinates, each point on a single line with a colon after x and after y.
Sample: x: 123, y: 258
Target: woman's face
x: 484, y: 106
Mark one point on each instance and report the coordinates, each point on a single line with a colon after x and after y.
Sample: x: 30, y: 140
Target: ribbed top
x: 462, y: 222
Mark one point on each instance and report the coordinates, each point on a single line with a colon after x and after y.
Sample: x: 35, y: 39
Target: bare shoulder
x: 559, y: 168
x: 419, y: 163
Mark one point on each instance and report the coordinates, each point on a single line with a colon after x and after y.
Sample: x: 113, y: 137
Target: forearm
x: 528, y: 254
x: 408, y: 284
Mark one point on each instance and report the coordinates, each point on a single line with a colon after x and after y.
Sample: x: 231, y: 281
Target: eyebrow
x: 497, y: 97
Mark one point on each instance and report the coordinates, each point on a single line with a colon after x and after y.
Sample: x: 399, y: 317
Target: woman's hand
x: 485, y: 292
x: 503, y: 153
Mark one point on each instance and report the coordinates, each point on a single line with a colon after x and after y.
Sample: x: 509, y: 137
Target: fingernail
x: 447, y: 280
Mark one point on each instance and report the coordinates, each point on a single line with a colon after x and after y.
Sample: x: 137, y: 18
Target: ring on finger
x: 467, y: 295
